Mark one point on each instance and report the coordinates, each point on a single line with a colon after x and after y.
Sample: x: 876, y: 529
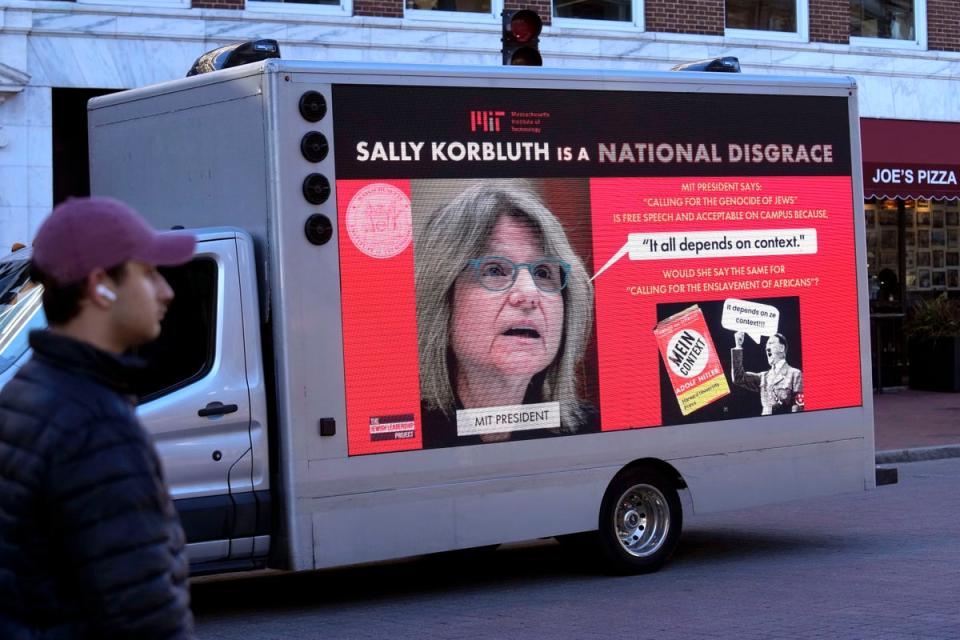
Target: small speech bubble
x: 752, y: 318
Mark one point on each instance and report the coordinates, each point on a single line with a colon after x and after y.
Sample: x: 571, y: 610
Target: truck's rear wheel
x: 640, y: 521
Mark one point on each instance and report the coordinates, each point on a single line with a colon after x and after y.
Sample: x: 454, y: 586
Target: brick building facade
x: 56, y: 54
x: 829, y: 19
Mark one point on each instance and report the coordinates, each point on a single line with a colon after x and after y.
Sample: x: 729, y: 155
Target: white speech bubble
x: 752, y: 318
x: 619, y: 254
x: 674, y: 245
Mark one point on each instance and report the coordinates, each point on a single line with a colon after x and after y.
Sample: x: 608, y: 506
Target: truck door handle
x: 216, y: 409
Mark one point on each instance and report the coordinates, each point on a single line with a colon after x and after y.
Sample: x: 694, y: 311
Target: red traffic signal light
x: 521, y: 38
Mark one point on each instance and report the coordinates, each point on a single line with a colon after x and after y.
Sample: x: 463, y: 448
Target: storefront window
x: 933, y: 258
x: 885, y: 223
x: 883, y: 252
x: 913, y: 252
x: 890, y: 19
x: 931, y: 248
x: 762, y: 15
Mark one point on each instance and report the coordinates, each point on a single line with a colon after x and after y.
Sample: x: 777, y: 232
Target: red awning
x: 910, y: 159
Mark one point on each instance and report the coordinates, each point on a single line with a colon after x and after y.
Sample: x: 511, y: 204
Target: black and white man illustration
x: 780, y: 387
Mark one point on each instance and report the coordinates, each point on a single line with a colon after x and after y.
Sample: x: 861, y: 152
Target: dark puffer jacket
x: 90, y: 543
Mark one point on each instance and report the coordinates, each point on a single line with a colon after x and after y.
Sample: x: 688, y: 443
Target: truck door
x: 196, y: 401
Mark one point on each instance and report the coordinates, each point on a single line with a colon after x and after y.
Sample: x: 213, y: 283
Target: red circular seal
x: 379, y: 221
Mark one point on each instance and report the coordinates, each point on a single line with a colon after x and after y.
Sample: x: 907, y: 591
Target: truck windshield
x: 20, y: 311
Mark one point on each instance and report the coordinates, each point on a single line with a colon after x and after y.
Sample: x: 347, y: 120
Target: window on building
x: 335, y: 3
x: 610, y: 10
x: 762, y: 15
x: 335, y: 7
x: 890, y: 19
x: 467, y: 6
x: 163, y: 4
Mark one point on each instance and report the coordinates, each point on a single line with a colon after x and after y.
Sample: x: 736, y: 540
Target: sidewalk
x: 916, y: 425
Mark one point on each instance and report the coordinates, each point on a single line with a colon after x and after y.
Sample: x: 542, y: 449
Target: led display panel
x: 522, y: 263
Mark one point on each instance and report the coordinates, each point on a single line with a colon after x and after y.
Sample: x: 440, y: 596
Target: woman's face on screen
x: 515, y: 331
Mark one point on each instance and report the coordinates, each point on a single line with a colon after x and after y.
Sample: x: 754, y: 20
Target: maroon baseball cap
x: 83, y: 234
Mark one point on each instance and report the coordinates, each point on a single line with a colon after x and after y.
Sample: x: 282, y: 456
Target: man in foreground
x: 90, y: 542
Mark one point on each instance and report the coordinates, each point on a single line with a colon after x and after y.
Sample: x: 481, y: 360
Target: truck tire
x: 640, y: 521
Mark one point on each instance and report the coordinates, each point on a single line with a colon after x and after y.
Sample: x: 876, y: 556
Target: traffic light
x: 521, y: 38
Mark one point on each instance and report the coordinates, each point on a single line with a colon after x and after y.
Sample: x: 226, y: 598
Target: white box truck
x: 437, y: 308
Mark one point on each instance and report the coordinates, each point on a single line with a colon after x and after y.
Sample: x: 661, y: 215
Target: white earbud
x: 105, y: 292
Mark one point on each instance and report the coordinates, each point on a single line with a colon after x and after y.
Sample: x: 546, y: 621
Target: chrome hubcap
x: 642, y: 520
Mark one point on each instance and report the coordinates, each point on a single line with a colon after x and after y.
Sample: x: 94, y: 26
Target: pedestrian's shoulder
x: 51, y: 407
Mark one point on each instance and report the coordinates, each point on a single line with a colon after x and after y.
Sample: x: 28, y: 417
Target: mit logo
x: 488, y: 121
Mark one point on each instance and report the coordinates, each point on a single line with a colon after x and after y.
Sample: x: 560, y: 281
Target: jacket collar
x: 120, y: 373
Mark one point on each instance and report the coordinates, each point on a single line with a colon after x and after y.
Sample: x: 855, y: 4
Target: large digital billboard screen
x: 520, y: 263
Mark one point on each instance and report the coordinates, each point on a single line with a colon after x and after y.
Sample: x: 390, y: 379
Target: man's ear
x: 98, y: 289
